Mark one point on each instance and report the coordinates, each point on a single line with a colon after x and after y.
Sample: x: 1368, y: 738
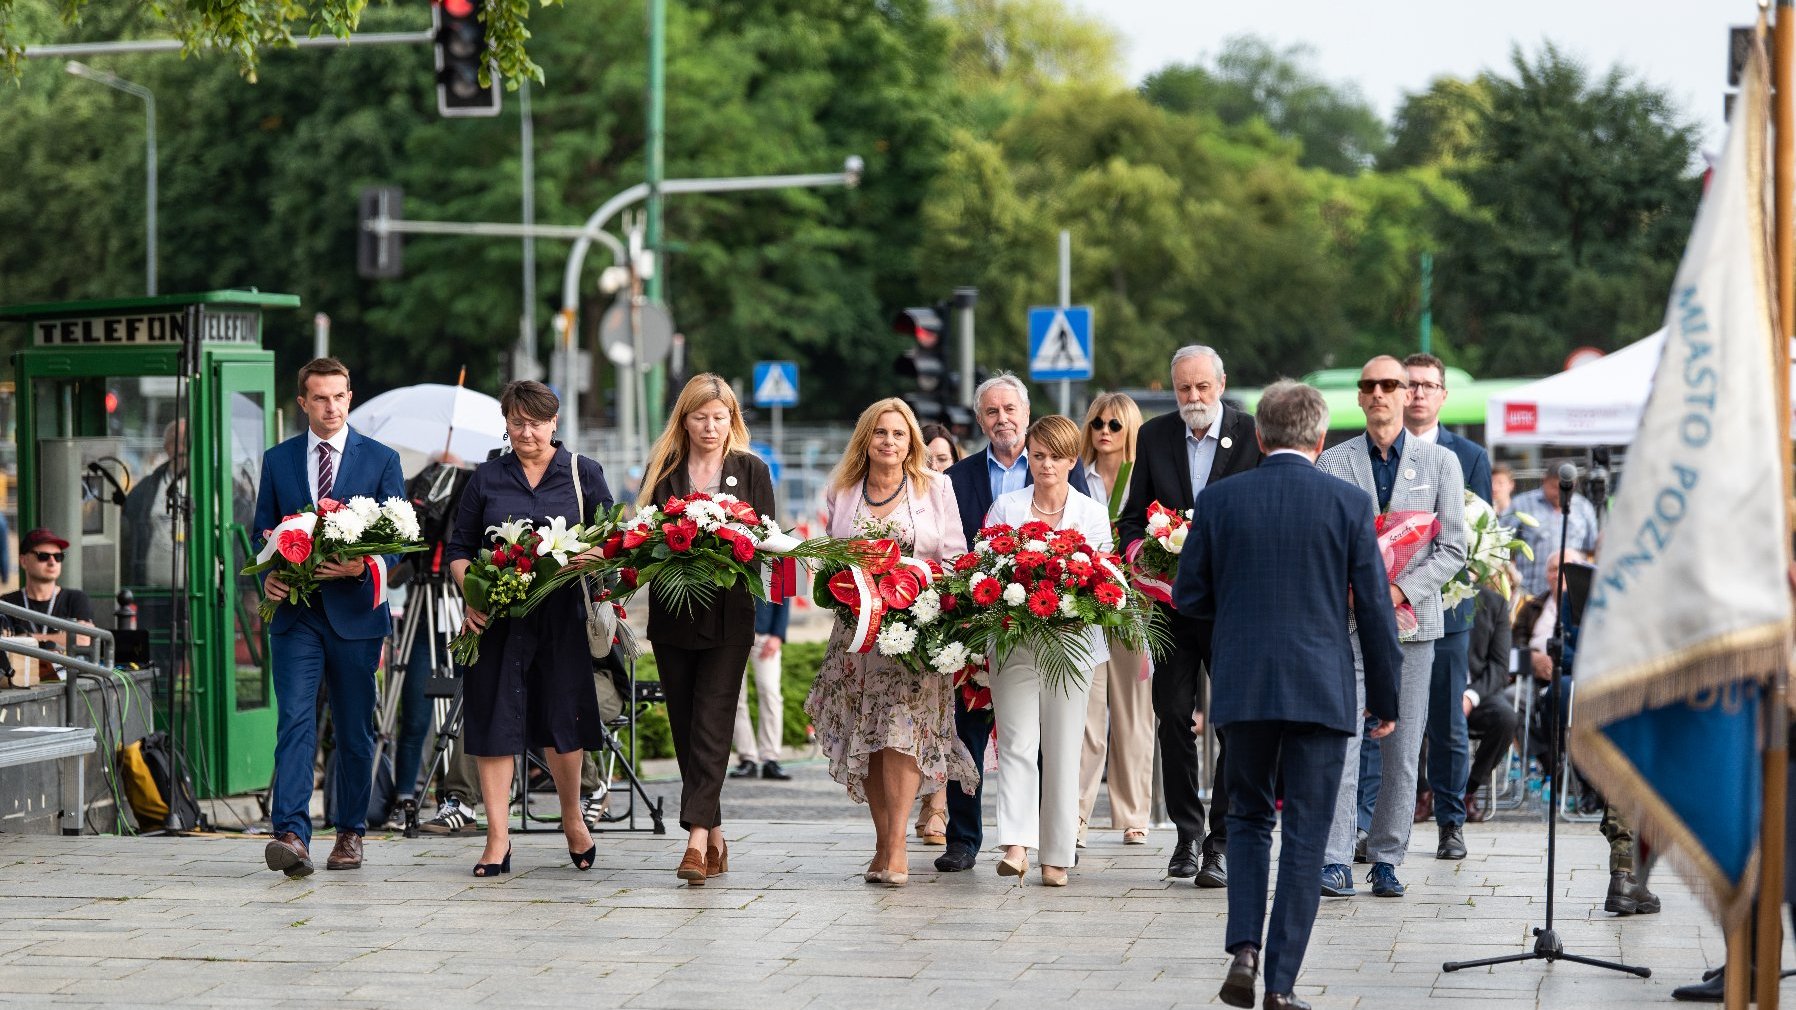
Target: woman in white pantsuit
x: 1035, y: 718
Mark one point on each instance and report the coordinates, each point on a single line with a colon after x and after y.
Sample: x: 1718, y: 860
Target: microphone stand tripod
x: 1547, y: 945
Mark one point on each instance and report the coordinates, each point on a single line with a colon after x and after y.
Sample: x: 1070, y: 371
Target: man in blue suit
x: 1274, y: 558
x: 335, y: 641
x: 999, y: 468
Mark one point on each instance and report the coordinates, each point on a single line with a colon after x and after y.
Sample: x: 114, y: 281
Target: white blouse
x: 1084, y: 514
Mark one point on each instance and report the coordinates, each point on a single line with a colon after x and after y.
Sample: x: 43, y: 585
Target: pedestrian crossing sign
x: 1060, y: 343
x: 776, y: 384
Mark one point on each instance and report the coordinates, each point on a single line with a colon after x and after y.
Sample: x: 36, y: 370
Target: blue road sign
x: 776, y: 384
x: 1060, y: 343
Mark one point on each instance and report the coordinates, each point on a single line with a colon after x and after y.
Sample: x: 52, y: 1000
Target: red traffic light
x: 924, y: 325
x: 459, y: 8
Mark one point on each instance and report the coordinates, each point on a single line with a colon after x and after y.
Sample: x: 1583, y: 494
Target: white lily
x: 561, y: 540
x: 510, y: 531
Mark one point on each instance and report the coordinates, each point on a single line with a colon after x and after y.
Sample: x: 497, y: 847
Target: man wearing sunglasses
x: 41, y: 553
x: 1176, y: 457
x: 1399, y: 474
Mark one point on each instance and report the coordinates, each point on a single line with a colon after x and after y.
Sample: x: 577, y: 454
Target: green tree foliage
x: 1439, y: 126
x: 1580, y: 197
x: 1252, y: 80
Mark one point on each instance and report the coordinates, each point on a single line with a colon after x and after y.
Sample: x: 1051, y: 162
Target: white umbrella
x: 419, y: 421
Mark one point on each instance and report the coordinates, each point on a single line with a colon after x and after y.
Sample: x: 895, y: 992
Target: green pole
x: 1427, y: 303
x: 656, y: 171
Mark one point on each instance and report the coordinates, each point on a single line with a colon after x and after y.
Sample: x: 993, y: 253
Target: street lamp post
x: 118, y: 83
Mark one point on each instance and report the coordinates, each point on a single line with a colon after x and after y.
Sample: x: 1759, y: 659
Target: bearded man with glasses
x: 41, y: 554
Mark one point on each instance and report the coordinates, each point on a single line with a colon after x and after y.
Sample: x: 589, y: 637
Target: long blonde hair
x: 670, y: 450
x: 854, y: 466
x: 1126, y: 410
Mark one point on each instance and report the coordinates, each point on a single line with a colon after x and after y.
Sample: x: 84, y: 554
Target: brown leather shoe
x: 1424, y: 806
x: 717, y: 860
x: 1237, y: 987
x: 1474, y: 811
x: 347, y: 853
x: 692, y: 868
x: 286, y: 853
x: 1284, y: 1001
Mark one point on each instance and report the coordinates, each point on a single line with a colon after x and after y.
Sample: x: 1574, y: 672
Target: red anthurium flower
x: 882, y: 556
x: 612, y: 545
x: 635, y: 537
x: 295, y: 545
x: 899, y: 589
x: 328, y: 505
x: 626, y: 577
x: 674, y: 507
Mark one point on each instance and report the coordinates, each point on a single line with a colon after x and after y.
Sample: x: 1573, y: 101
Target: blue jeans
x: 1371, y: 773
x: 306, y: 655
x: 1449, y: 746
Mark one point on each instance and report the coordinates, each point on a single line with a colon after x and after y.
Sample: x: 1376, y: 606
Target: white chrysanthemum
x: 1175, y: 541
x: 403, y: 517
x: 1081, y: 556
x: 896, y: 638
x: 706, y: 514
x: 983, y: 547
x: 1014, y: 594
x: 1038, y: 546
x: 344, y: 526
x: 1158, y: 522
x: 1067, y: 609
x: 950, y: 658
x: 927, y: 607
x: 365, y: 508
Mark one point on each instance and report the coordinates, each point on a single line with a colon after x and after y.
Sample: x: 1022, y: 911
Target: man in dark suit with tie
x: 335, y: 641
x: 1272, y: 560
x: 1176, y: 457
x: 978, y: 480
x: 1449, y: 744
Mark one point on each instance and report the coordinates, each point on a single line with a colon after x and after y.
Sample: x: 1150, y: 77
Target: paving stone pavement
x: 199, y: 921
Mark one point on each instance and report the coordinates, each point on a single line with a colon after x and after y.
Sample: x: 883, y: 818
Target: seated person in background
x: 40, y: 563
x: 1490, y: 717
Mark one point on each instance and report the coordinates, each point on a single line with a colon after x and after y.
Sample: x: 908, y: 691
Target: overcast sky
x: 1389, y: 47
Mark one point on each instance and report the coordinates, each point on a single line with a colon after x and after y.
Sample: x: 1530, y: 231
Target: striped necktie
x: 324, y: 470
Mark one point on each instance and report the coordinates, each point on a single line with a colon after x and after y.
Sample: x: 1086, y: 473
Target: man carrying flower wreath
x: 335, y: 643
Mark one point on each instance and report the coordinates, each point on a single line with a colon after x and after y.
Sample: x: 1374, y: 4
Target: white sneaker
x: 593, y: 810
x: 451, y: 818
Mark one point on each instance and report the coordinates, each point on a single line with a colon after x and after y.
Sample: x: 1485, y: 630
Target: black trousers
x: 1492, y: 725
x: 702, y: 686
x: 1177, y: 683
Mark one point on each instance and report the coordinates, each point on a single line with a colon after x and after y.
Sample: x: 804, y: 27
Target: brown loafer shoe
x: 692, y: 868
x: 717, y: 860
x: 347, y: 853
x: 286, y: 853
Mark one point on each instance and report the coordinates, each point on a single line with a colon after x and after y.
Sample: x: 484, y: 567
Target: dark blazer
x: 368, y: 468
x: 730, y: 619
x: 1269, y: 559
x: 1163, y: 468
x: 1488, y: 670
x: 1474, y: 462
x: 973, y: 489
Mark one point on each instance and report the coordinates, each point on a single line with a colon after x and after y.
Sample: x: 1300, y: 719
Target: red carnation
x: 987, y: 592
x: 966, y: 562
x: 1108, y: 593
x: 1044, y: 602
x: 295, y: 545
x: 1004, y: 543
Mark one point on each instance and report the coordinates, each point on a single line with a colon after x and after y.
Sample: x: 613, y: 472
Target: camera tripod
x: 429, y: 607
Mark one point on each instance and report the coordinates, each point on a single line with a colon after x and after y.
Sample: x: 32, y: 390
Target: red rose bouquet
x: 334, y: 530
x: 514, y: 574
x: 1044, y: 589
x: 1154, y: 559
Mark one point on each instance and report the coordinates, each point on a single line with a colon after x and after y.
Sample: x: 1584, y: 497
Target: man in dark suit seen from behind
x: 1269, y: 563
x: 1177, y: 456
x: 999, y: 468
x: 1449, y: 746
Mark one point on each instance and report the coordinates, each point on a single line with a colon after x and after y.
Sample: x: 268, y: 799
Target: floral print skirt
x: 863, y: 703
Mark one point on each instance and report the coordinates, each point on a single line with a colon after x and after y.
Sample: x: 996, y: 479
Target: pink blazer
x: 934, y: 514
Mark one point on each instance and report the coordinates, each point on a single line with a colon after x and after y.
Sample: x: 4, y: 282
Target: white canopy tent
x: 1594, y: 404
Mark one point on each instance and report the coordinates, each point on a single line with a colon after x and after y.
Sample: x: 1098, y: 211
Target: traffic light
x: 461, y: 56
x: 925, y: 362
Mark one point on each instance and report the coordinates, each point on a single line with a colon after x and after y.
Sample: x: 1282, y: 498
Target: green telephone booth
x: 99, y: 386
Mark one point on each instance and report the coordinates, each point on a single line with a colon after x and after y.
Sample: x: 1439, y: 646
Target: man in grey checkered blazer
x: 1400, y: 474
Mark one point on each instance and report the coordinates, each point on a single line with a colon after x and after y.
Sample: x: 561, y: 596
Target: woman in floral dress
x: 889, y: 732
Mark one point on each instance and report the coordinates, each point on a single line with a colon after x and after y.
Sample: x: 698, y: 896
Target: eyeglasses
x: 47, y: 556
x: 1431, y: 388
x: 1099, y: 424
x: 1388, y: 385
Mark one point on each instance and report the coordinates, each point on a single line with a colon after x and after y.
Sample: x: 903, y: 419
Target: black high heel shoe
x: 583, y: 860
x: 494, y: 869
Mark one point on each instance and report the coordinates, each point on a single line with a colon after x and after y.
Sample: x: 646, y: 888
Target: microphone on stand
x: 1568, y: 476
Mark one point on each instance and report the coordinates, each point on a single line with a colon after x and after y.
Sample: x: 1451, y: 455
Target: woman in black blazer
x: 701, y: 653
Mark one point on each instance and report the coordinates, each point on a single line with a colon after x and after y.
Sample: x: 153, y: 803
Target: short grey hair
x: 1291, y: 415
x: 1197, y: 350
x: 1001, y: 379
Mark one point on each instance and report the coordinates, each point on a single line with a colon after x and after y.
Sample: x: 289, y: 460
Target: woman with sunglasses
x: 1119, y: 720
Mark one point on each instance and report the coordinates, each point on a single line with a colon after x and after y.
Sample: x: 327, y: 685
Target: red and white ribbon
x: 1152, y: 585
x: 377, y: 571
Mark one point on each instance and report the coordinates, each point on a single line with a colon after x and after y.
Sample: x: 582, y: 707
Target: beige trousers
x: 1123, y: 698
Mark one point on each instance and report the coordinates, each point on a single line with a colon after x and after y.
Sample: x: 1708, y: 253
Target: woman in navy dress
x: 532, y: 686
